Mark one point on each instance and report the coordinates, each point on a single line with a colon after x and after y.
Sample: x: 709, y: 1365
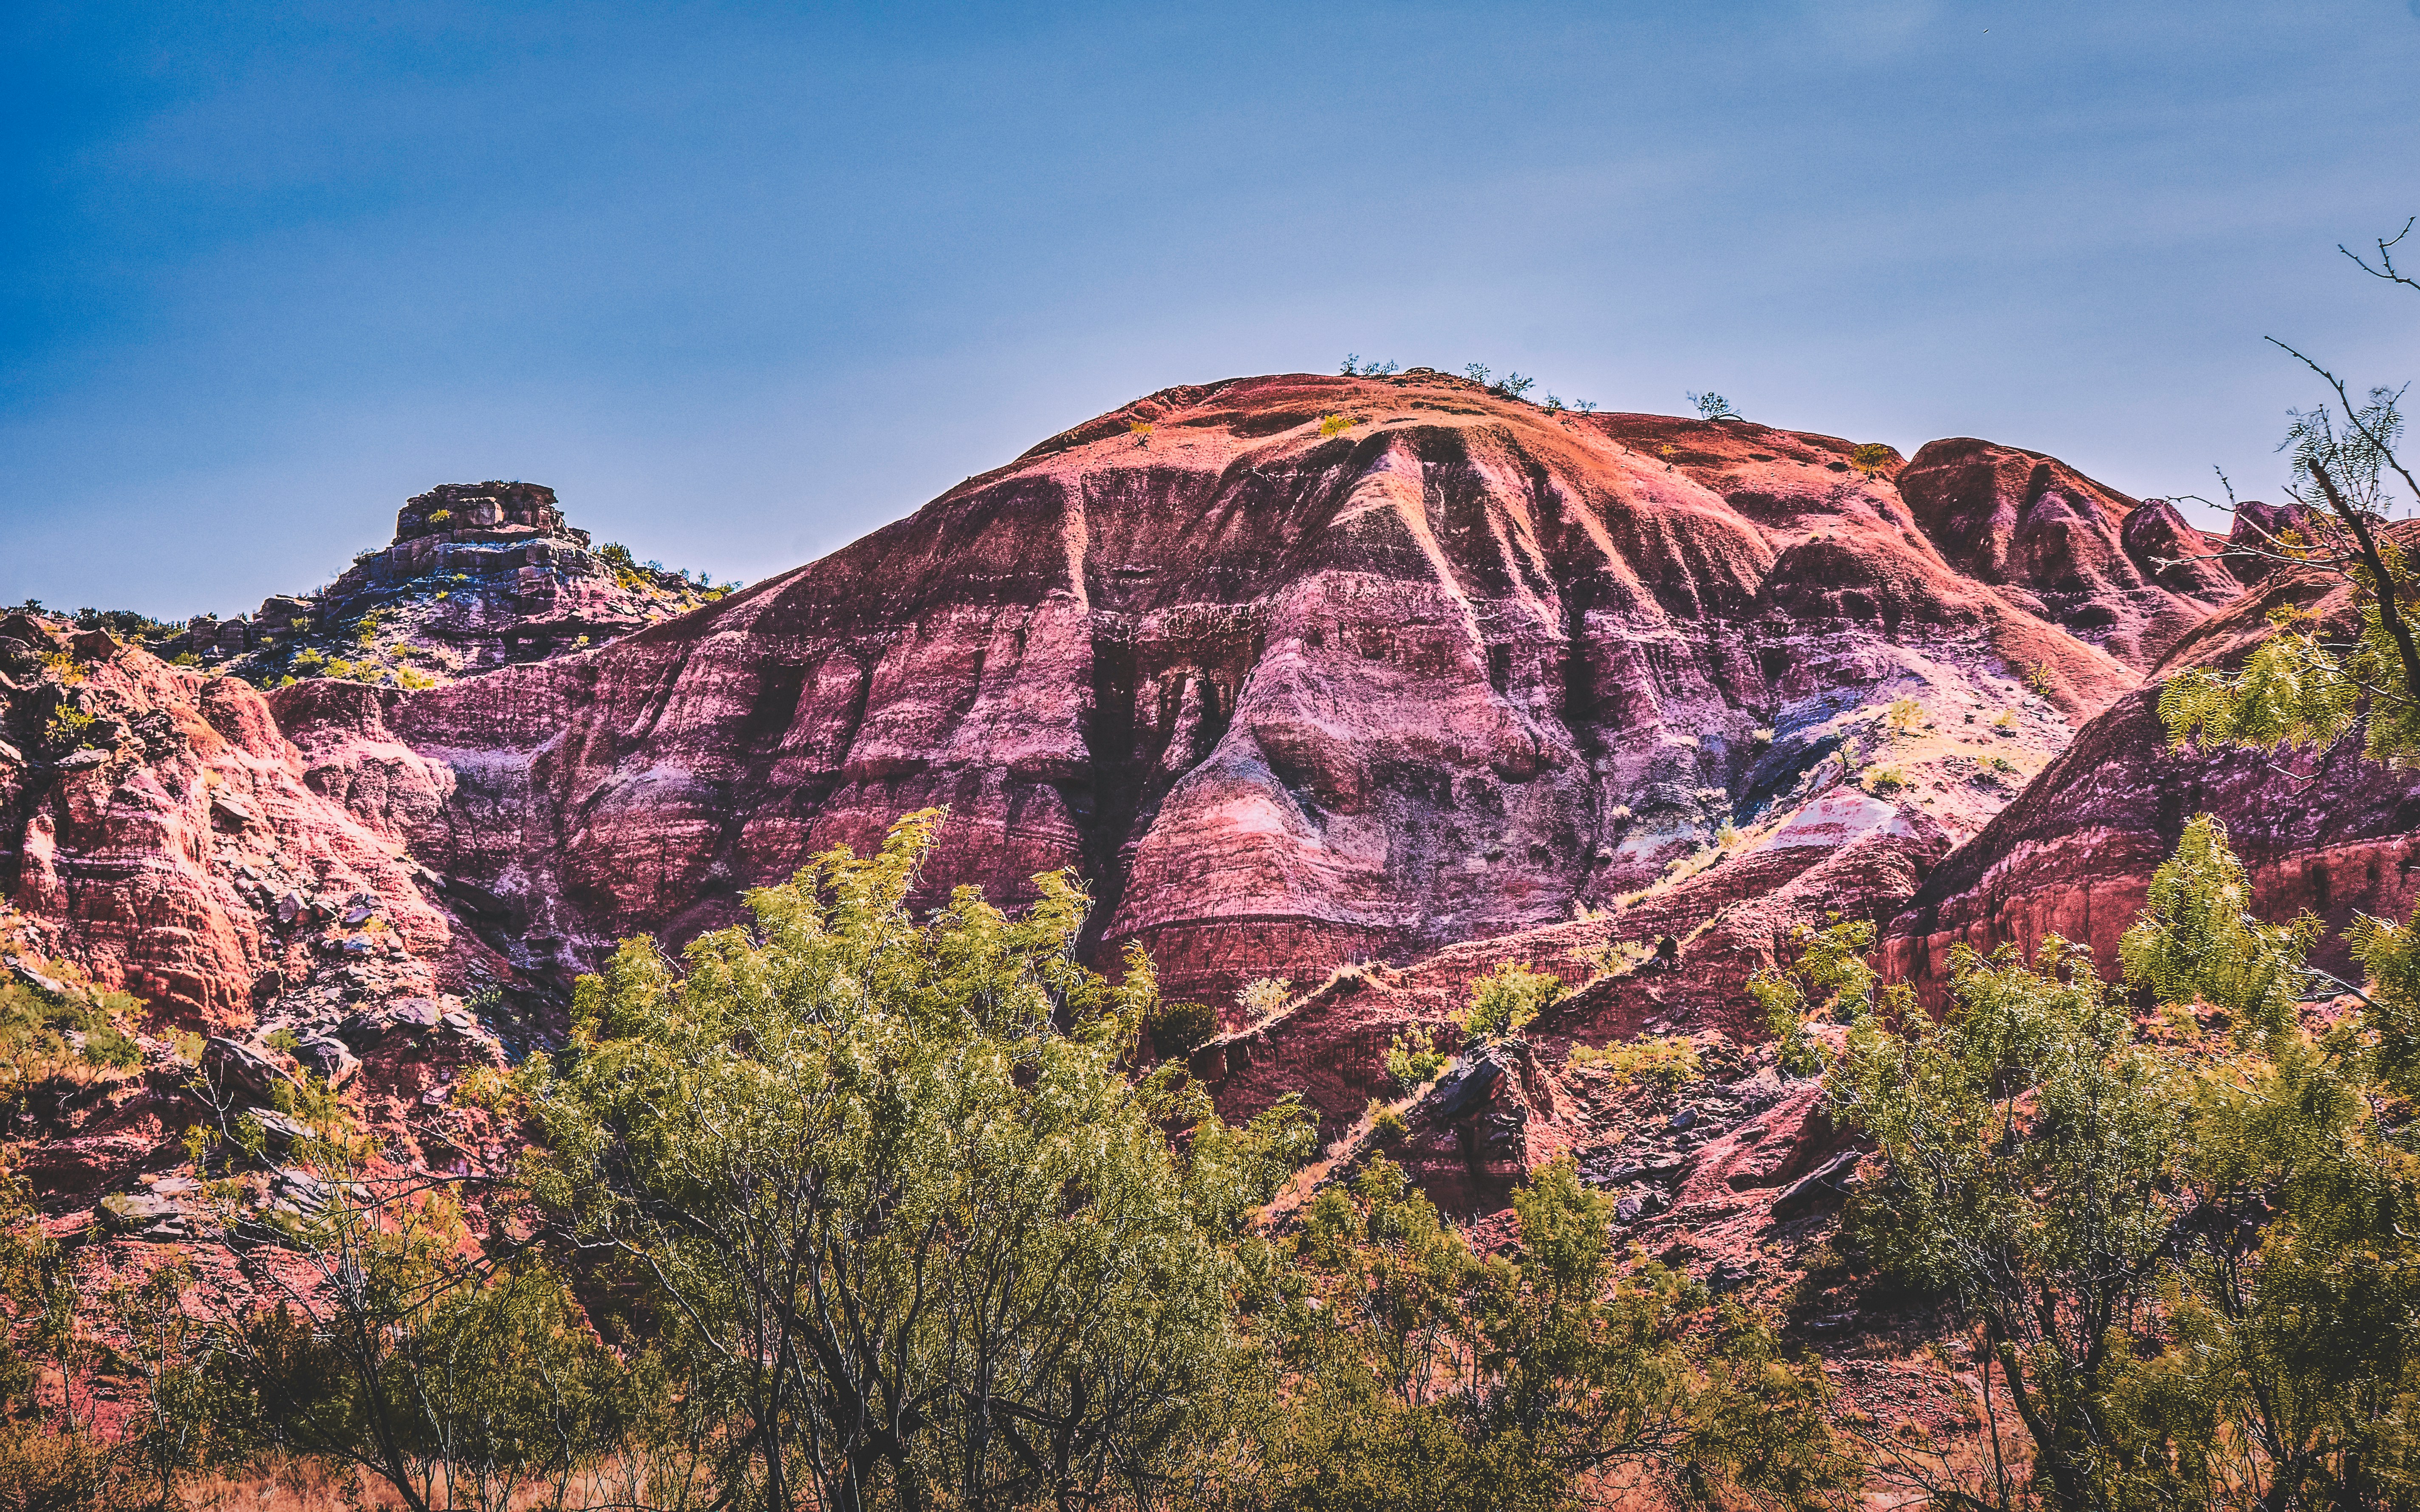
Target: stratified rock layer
x: 1286, y: 688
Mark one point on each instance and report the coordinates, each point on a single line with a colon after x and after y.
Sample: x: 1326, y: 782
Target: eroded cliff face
x: 2073, y: 855
x: 1459, y: 667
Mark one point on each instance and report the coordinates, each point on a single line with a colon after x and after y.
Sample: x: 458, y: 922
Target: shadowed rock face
x: 1282, y: 698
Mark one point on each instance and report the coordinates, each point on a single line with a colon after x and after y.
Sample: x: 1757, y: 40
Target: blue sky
x: 744, y: 282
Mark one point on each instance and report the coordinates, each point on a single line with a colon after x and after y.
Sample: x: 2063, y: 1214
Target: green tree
x: 1503, y: 1002
x: 930, y: 1239
x: 1423, y: 1377
x: 2308, y: 683
x: 2186, y: 1261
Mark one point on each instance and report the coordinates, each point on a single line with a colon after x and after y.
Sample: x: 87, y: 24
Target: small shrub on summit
x: 1713, y: 406
x: 1872, y: 457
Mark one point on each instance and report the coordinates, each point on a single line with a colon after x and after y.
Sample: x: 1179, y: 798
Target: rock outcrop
x: 2073, y: 855
x: 479, y: 576
x: 2129, y: 577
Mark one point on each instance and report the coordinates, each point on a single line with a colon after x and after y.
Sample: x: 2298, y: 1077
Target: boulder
x: 243, y: 1071
x: 330, y: 1058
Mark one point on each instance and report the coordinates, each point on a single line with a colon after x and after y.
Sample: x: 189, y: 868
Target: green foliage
x: 1413, y: 1058
x: 1331, y: 426
x: 1180, y: 1028
x: 1906, y: 716
x: 126, y: 623
x: 2292, y: 691
x: 1263, y: 998
x: 1713, y: 406
x: 1887, y: 781
x: 35, y: 1026
x: 1669, y: 1063
x: 1425, y: 1377
x: 2037, y: 679
x: 1828, y: 980
x: 1387, y: 1126
x: 69, y: 728
x: 2197, y: 938
x: 2027, y: 1141
x: 908, y: 1157
x: 185, y: 659
x: 2187, y: 1265
x: 1503, y: 1002
x: 1872, y: 457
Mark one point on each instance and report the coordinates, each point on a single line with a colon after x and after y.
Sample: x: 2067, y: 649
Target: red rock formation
x: 1283, y: 697
x: 2073, y: 855
x: 154, y: 852
x: 2132, y: 578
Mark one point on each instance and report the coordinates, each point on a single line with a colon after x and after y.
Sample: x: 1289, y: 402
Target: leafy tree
x: 1424, y: 1377
x: 2186, y: 1261
x: 1828, y: 982
x: 929, y: 1240
x: 2306, y: 685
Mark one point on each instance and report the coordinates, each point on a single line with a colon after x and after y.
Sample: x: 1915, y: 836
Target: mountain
x: 1296, y: 671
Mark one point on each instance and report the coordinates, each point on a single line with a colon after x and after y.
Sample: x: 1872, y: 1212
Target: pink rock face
x: 156, y: 862
x: 2132, y: 578
x: 2073, y: 855
x: 1282, y: 698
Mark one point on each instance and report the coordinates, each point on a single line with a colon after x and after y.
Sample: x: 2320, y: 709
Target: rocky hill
x: 479, y: 576
x: 1301, y: 670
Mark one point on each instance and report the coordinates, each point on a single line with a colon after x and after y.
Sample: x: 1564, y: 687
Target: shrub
x: 1179, y: 1029
x: 1726, y: 834
x: 185, y: 659
x: 412, y: 680
x: 1387, y: 1126
x: 1413, y: 1058
x: 1331, y: 426
x: 70, y: 727
x: 1670, y: 1063
x: 2005, y: 719
x: 1503, y: 1002
x: 309, y: 657
x: 1885, y: 781
x: 282, y: 1040
x: 1760, y: 736
x: 1263, y: 998
x: 1139, y: 430
x: 440, y: 516
x: 1872, y: 458
x: 1713, y: 406
x: 109, y: 1046
x: 2037, y: 679
x: 1906, y: 716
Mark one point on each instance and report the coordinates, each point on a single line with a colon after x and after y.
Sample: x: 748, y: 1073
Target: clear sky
x: 744, y: 282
